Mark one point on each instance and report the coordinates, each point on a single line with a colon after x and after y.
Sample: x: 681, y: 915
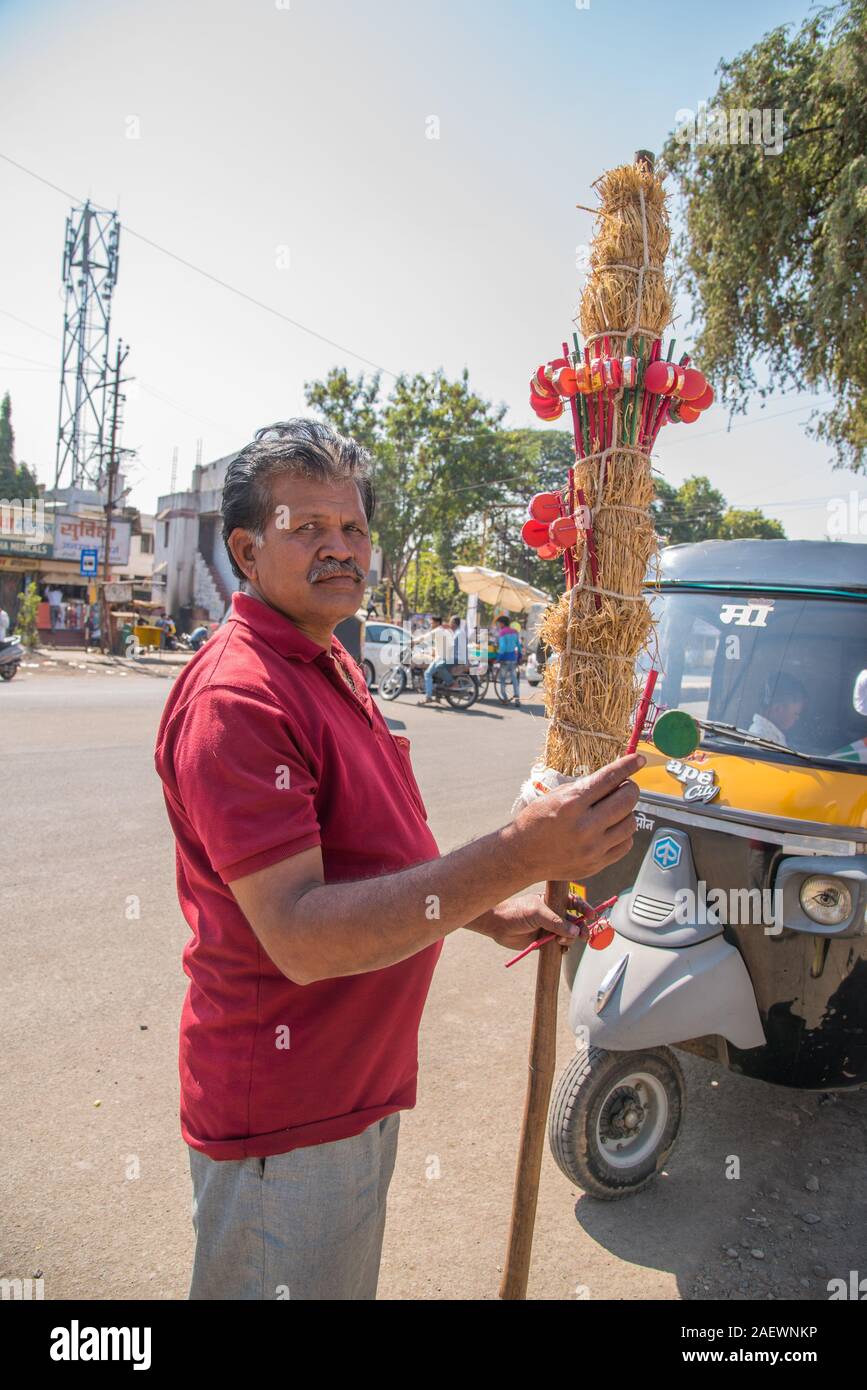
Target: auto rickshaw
x: 740, y: 926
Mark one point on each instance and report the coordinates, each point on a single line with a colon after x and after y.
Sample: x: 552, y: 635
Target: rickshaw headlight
x: 826, y: 900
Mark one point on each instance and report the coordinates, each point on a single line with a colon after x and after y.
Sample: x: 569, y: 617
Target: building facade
x: 192, y: 576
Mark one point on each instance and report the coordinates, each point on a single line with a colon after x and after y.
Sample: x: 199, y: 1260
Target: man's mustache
x: 329, y: 568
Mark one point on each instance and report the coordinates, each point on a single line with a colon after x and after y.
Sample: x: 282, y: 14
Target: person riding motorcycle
x: 444, y: 654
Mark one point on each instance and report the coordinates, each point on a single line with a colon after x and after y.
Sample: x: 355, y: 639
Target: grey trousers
x: 304, y: 1225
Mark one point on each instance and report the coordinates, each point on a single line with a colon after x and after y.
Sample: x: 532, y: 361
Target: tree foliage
x: 695, y: 511
x: 774, y: 250
x: 17, y: 481
x: 28, y: 608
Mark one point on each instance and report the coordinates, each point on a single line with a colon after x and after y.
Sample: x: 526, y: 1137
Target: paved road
x: 95, y: 1190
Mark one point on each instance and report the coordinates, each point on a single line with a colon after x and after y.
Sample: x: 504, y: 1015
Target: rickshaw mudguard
x: 632, y: 995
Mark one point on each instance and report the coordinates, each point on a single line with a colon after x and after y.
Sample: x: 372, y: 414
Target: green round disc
x: 676, y: 733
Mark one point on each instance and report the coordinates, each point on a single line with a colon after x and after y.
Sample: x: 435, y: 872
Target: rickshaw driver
x: 782, y: 705
x: 856, y: 751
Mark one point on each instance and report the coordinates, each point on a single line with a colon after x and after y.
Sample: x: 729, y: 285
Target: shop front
x: 69, y: 615
x: 64, y: 617
x: 23, y: 551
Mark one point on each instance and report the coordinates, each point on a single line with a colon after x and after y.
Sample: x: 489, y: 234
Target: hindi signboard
x: 72, y: 534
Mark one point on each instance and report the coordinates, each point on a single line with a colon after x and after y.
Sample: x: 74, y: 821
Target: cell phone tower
x: 90, y: 257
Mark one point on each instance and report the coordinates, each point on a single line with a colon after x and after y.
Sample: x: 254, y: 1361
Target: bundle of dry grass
x: 610, y: 299
x: 592, y: 690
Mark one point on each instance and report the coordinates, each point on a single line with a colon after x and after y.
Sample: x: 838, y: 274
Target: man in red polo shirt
x: 315, y: 894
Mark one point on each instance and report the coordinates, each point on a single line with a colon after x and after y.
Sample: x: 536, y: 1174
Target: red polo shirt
x: 264, y: 751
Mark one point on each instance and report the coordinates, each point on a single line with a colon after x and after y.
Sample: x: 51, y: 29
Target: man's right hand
x: 575, y: 831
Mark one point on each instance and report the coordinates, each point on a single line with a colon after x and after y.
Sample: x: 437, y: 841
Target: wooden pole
x: 541, y: 1063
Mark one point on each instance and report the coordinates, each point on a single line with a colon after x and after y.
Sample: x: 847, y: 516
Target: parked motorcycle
x: 191, y: 641
x: 460, y: 691
x: 11, y: 656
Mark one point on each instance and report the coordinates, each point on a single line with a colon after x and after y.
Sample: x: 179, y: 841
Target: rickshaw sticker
x: 698, y: 784
x: 746, y: 614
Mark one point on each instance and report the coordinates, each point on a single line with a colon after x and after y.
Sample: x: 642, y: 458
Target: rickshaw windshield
x: 787, y: 668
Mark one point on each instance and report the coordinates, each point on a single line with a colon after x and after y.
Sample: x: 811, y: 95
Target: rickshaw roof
x: 803, y: 566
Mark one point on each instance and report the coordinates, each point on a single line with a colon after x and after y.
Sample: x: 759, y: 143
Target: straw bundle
x: 591, y: 691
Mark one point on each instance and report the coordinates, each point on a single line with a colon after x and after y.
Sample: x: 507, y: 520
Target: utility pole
x: 120, y: 357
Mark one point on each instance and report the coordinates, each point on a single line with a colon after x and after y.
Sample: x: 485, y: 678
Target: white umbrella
x: 500, y: 590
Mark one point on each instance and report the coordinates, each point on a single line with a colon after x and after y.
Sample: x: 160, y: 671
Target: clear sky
x: 297, y: 131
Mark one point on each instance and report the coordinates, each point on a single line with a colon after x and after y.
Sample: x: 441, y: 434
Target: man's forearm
x: 339, y: 929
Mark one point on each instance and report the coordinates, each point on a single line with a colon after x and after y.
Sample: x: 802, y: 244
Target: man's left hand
x: 518, y: 922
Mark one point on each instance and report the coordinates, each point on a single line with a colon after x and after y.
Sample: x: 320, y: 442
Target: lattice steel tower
x: 90, y: 256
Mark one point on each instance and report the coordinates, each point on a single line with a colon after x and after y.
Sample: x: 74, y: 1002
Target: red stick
x: 593, y: 409
x: 648, y: 409
x: 569, y: 554
x: 641, y: 716
x: 590, y: 542
x: 656, y: 426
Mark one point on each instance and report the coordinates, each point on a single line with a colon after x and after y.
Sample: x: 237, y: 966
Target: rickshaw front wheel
x: 615, y: 1118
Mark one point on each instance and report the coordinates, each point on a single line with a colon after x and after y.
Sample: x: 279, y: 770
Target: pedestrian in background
x: 509, y: 652
x: 55, y: 607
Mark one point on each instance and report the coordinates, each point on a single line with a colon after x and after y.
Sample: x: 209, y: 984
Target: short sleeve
x: 242, y: 781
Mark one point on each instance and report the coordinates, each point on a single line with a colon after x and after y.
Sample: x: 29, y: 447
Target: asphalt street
x: 95, y: 1190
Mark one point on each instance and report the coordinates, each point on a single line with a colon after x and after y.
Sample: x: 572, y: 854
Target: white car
x: 383, y: 644
x: 533, y: 670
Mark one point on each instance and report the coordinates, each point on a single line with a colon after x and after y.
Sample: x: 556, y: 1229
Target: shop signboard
x: 23, y: 529
x: 117, y: 593
x: 72, y: 534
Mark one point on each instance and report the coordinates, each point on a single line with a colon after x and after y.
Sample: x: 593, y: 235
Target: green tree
x: 736, y: 525
x: 774, y: 250
x: 692, y: 512
x: 7, y: 448
x: 17, y: 481
x: 695, y: 511
x: 28, y: 607
x: 430, y: 587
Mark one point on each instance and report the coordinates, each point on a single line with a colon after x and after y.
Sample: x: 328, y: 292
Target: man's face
x: 786, y: 713
x: 316, y: 553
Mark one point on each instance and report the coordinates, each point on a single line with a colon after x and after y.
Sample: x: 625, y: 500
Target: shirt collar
x: 275, y: 628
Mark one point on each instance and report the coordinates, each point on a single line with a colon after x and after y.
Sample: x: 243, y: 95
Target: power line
x: 151, y: 390
x: 19, y: 358
x: 759, y: 420
x: 207, y: 275
x: 28, y: 324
